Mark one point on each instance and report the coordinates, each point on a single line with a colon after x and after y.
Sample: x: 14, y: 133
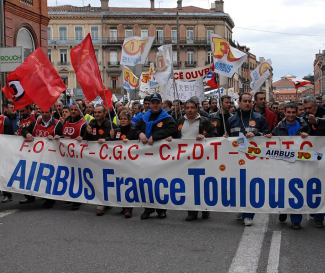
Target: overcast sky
x: 293, y: 54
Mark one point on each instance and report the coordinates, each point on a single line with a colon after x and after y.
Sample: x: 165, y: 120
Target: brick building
x: 189, y: 27
x: 285, y: 91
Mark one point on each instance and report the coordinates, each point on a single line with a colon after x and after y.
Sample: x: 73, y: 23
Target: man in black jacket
x: 99, y: 130
x: 194, y: 126
x: 291, y: 125
x: 154, y: 125
x: 217, y: 119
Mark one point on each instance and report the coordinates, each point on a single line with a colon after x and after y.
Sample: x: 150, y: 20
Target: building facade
x: 284, y: 91
x: 187, y: 28
x: 319, y: 71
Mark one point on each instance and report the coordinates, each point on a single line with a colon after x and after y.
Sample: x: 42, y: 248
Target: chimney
x: 152, y: 2
x: 218, y: 6
x: 104, y: 4
x: 179, y: 5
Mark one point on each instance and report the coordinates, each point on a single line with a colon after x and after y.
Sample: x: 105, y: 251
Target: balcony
x: 74, y: 41
x: 175, y: 63
x: 245, y: 65
x: 63, y: 64
x: 113, y: 63
x: 190, y: 63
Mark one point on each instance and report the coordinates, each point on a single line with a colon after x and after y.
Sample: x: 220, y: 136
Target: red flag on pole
x: 40, y: 80
x: 108, y: 97
x: 85, y: 65
x: 213, y: 82
x: 15, y: 92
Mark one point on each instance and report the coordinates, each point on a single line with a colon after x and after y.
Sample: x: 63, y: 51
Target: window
x: 190, y: 57
x: 160, y: 36
x: 190, y: 36
x: 144, y: 33
x: 174, y: 57
x: 94, y: 34
x: 128, y: 33
x: 97, y: 54
x: 174, y: 36
x: 78, y: 34
x: 49, y: 33
x: 209, y: 32
x: 63, y: 56
x: 114, y: 81
x: 113, y: 35
x: 113, y: 57
x: 26, y: 40
x: 209, y: 57
x: 27, y: 2
x: 49, y: 54
x: 63, y: 35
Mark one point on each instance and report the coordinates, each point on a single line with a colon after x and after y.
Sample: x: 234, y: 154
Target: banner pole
x: 175, y: 91
x: 220, y: 102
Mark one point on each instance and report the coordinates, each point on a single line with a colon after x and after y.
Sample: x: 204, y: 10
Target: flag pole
x: 296, y: 95
x: 109, y: 112
x: 220, y: 102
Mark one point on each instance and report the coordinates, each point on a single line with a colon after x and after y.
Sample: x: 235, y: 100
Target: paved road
x: 33, y: 239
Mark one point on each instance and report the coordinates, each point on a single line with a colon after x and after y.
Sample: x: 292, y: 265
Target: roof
x: 70, y: 8
x: 288, y: 76
x: 291, y: 91
x: 286, y: 83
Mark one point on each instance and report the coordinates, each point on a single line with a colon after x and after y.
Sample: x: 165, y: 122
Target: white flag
x: 226, y: 58
x: 164, y: 65
x: 260, y: 74
x: 135, y: 50
x: 130, y: 81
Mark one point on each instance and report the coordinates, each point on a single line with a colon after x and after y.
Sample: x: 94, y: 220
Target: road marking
x: 7, y: 212
x: 274, y: 256
x: 250, y: 246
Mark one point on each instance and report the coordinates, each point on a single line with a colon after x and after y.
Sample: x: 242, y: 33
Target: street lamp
x: 160, y: 2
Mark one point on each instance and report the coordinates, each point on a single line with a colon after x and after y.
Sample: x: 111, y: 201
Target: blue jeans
x: 248, y: 215
x: 296, y: 218
x: 319, y: 217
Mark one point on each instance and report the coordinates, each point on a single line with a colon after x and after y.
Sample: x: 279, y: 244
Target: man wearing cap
x: 154, y: 125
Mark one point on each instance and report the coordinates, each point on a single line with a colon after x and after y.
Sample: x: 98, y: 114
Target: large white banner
x: 181, y: 175
x: 135, y: 50
x: 185, y: 90
x: 192, y: 74
x: 130, y: 81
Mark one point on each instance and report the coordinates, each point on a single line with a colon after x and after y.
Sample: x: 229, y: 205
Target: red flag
x: 14, y: 91
x: 108, y: 97
x: 298, y: 82
x: 213, y: 81
x: 85, y: 65
x: 40, y: 80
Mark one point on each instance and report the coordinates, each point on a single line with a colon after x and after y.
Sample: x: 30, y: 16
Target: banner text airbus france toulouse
x: 180, y: 175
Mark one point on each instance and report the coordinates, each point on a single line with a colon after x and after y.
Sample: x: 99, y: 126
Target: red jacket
x: 271, y: 119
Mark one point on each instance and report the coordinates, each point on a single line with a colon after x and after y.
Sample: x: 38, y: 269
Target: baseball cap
x: 155, y: 96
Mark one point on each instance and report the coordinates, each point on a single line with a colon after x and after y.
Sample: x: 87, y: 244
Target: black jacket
x: 167, y: 127
x: 281, y: 129
x: 317, y: 129
x: 206, y: 127
x: 125, y: 132
x: 99, y: 131
x: 217, y: 121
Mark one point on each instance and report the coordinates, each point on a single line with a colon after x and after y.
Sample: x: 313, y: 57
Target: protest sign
x: 185, y: 90
x: 180, y: 175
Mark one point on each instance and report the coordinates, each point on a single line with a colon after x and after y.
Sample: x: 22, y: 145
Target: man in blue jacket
x: 251, y: 124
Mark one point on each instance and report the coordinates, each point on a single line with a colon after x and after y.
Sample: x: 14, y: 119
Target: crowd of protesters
x: 155, y: 119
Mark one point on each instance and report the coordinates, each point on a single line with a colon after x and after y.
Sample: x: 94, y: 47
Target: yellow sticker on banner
x: 304, y: 155
x: 254, y: 150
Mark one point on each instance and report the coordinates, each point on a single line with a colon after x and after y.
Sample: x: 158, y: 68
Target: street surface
x: 33, y: 239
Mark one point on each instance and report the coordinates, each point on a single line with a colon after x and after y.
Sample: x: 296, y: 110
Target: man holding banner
x: 46, y: 126
x: 251, y: 124
x: 154, y: 125
x: 194, y: 126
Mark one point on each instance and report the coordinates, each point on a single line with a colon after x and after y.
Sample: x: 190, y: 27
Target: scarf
x: 149, y: 124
